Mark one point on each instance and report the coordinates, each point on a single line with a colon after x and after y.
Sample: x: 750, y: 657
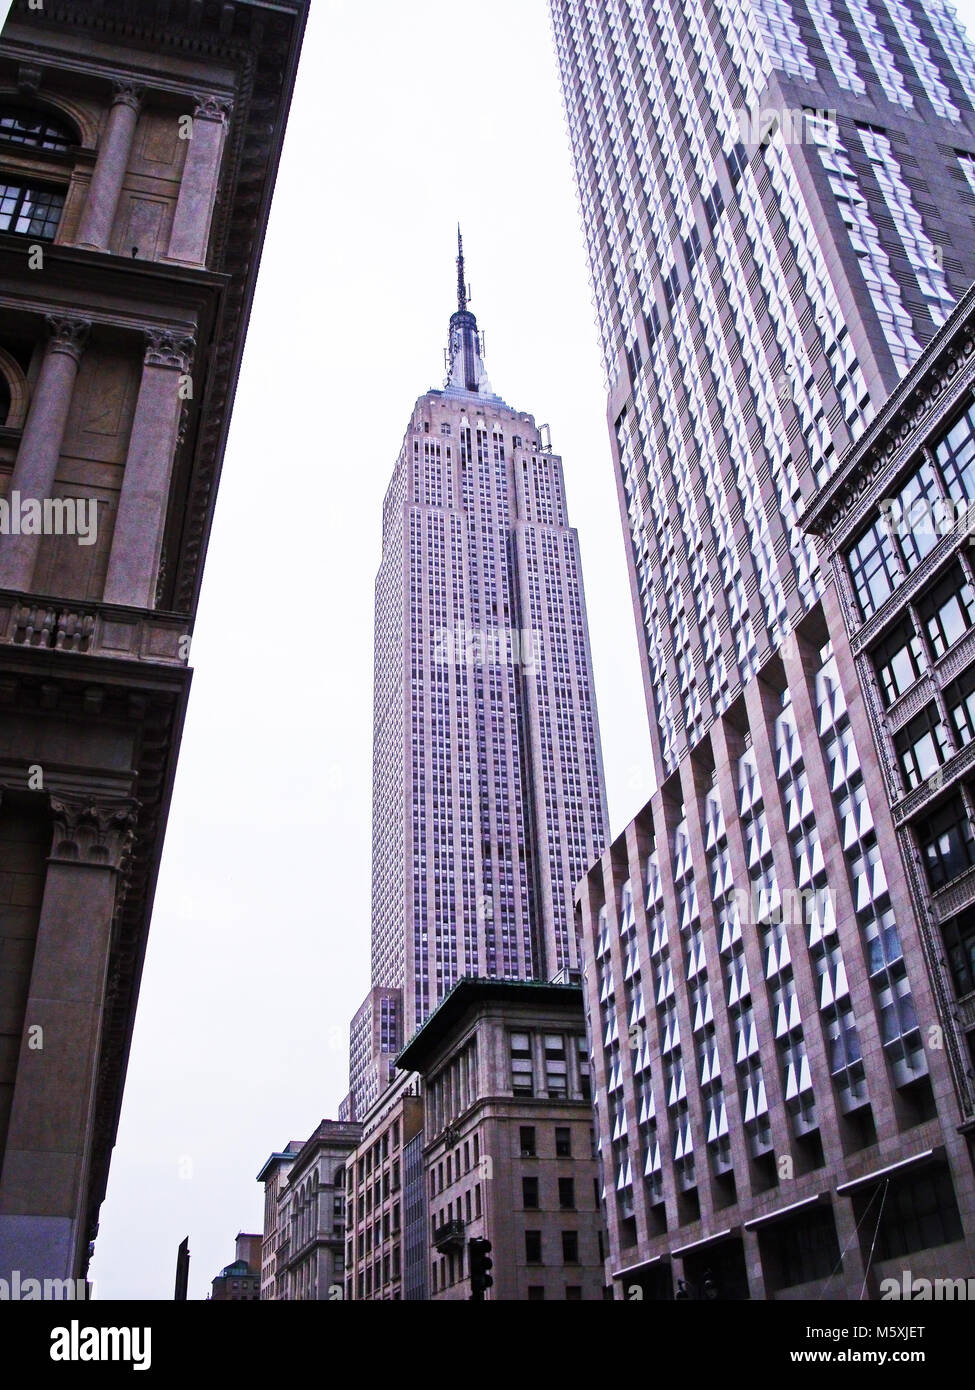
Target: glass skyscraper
x: 778, y: 201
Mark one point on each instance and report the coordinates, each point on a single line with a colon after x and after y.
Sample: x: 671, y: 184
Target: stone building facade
x: 138, y: 152
x: 304, y: 1216
x: 274, y: 1176
x: 240, y: 1281
x: 509, y: 1147
x: 378, y: 1200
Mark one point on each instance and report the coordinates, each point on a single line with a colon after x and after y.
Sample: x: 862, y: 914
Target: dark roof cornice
x: 472, y: 991
x: 916, y: 401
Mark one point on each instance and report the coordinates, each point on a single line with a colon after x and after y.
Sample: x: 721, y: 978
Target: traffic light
x: 479, y: 1259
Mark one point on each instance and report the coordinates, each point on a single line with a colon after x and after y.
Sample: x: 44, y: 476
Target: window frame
x: 22, y: 190
x: 50, y: 123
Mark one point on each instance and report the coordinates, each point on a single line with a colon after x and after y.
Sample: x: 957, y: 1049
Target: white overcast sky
x: 406, y: 118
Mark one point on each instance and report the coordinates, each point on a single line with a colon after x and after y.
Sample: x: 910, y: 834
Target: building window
x: 34, y: 128
x: 536, y: 1293
x: 959, y: 939
x: 573, y: 1293
x: 948, y: 611
x: 874, y: 568
x: 533, y: 1247
x: 955, y: 453
x: 918, y: 505
x: 556, y: 1074
x: 922, y: 746
x: 529, y: 1194
x: 27, y: 211
x: 960, y: 699
x: 899, y: 661
x: 522, y: 1082
x: 526, y: 1141
x: 570, y: 1247
x: 582, y: 1051
x: 567, y: 1194
x: 946, y: 842
x: 919, y: 1212
x: 563, y: 1143
x: 798, y: 1251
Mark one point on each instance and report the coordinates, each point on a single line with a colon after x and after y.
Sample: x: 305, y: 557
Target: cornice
x: 48, y: 61
x: 914, y: 407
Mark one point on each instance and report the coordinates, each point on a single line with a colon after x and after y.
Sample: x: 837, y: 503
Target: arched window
x: 22, y: 126
x: 29, y: 208
x: 14, y: 392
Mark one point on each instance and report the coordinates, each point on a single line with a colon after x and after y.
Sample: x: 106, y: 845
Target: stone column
x: 43, y: 1189
x: 133, y: 567
x: 201, y: 180
x: 111, y: 166
x: 41, y: 442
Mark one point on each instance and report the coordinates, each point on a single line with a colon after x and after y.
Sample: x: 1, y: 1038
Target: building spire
x: 465, y: 352
x: 461, y: 281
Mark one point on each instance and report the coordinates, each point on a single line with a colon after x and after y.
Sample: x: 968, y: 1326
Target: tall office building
x: 778, y: 203
x: 488, y: 799
x: 139, y: 146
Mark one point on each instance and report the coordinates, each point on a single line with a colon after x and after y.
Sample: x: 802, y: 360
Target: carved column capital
x: 208, y: 107
x: 94, y: 831
x: 68, y: 335
x: 164, y: 348
x: 127, y: 92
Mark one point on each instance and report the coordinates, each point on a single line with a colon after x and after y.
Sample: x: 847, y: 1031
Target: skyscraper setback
x: 488, y: 799
x: 778, y: 204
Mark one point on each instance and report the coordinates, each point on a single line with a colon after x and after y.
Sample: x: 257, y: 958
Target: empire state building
x: 488, y: 799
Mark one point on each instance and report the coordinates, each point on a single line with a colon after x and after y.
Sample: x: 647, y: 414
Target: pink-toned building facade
x: 488, y: 799
x: 138, y: 152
